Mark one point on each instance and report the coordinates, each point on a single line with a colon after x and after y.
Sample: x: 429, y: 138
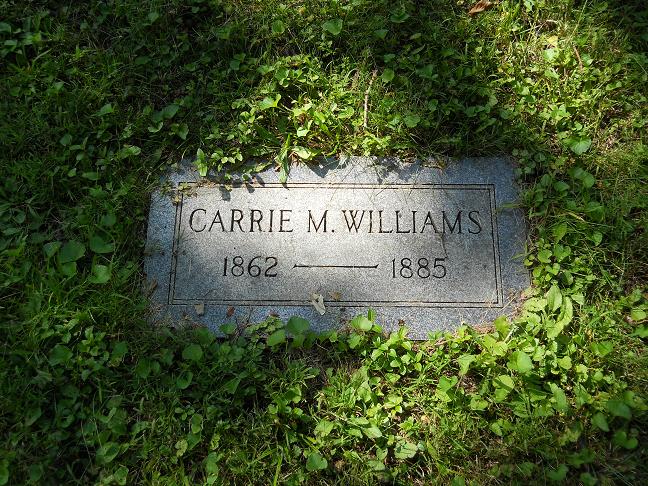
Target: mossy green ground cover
x: 98, y: 99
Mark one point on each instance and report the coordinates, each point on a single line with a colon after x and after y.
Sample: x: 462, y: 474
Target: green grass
x: 98, y: 99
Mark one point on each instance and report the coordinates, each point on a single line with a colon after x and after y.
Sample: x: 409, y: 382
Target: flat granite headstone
x: 425, y: 247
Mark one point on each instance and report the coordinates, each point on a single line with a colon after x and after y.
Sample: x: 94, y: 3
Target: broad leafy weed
x: 99, y: 98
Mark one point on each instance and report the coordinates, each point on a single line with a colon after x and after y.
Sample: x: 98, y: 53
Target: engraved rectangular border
x: 171, y: 300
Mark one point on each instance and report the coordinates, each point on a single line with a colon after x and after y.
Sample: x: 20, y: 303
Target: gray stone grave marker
x: 426, y: 247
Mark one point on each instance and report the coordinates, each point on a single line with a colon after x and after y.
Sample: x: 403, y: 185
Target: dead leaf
x: 230, y: 311
x: 480, y: 7
x: 336, y: 296
x: 200, y: 308
x: 317, y: 301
